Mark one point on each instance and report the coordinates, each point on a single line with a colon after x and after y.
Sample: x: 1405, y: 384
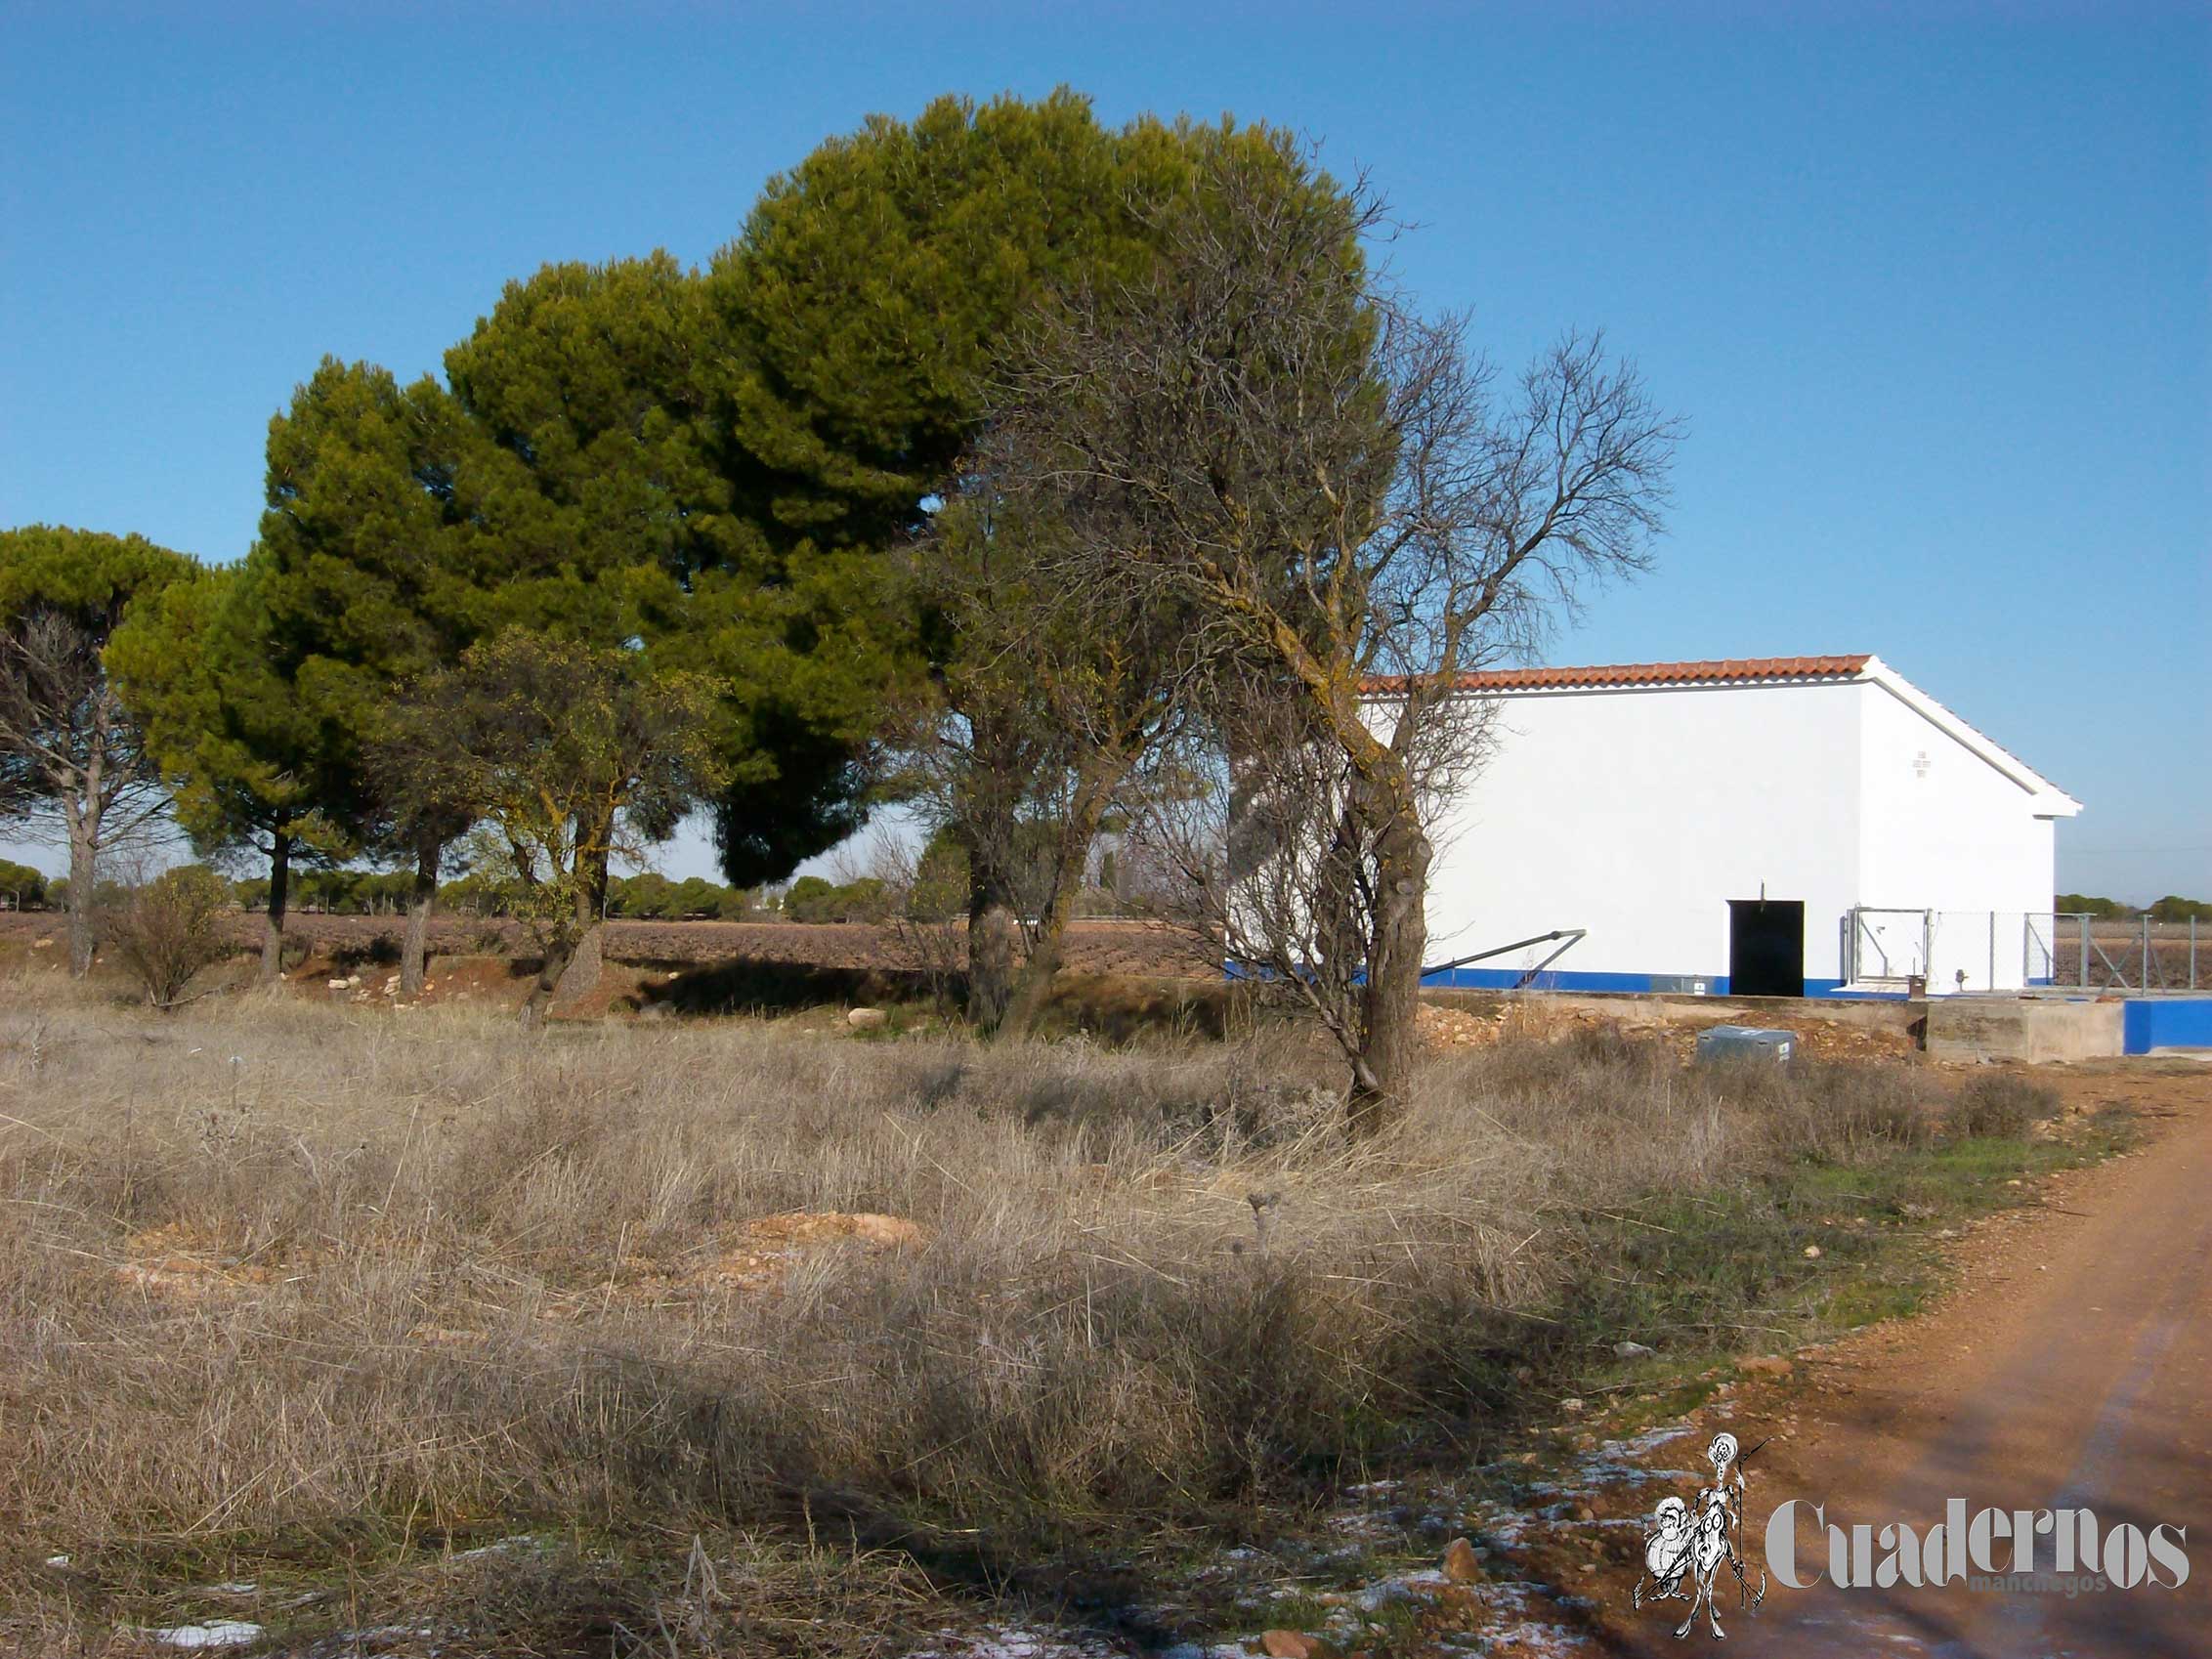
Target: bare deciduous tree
x: 1352, y: 515
x: 68, y: 744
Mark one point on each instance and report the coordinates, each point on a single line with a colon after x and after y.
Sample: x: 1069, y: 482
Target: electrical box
x: 1745, y: 1042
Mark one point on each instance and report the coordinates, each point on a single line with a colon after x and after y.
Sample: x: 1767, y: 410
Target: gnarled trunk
x: 560, y: 950
x: 574, y: 956
x: 1391, y: 1009
x: 414, y: 942
x: 280, y: 883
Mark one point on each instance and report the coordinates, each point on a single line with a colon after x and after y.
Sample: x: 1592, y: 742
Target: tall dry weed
x: 274, y: 1271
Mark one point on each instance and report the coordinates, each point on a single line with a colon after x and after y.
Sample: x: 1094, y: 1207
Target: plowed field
x: 1135, y: 947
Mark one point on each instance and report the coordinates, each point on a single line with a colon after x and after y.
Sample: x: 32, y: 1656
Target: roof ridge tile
x: 1708, y: 671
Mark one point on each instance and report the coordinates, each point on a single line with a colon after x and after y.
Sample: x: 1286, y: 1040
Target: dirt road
x: 2071, y: 1368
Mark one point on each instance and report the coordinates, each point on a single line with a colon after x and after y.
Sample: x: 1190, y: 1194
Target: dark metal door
x: 1767, y: 947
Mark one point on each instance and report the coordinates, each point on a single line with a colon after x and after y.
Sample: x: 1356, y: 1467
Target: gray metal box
x: 1745, y: 1042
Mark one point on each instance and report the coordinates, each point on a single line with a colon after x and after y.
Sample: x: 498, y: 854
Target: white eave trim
x: 2050, y: 801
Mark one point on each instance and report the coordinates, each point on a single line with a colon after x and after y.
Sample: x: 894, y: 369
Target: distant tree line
x: 21, y: 888
x: 2172, y: 908
x: 1063, y: 482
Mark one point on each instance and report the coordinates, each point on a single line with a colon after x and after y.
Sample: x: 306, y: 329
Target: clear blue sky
x: 1930, y: 281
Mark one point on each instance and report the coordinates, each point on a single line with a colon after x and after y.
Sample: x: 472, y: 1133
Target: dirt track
x: 2073, y: 1368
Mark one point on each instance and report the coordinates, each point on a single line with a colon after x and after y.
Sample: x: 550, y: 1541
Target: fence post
x: 2081, y: 926
x: 2145, y: 950
x: 2192, y: 953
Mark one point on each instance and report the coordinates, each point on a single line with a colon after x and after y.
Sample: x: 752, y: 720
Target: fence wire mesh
x: 1942, y: 951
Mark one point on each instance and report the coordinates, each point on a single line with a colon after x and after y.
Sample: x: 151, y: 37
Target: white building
x: 1785, y: 825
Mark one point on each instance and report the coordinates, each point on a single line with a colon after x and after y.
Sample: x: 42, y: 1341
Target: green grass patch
x: 1726, y: 1271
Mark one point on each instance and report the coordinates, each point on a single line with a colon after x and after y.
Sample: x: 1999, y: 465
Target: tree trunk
x: 1033, y: 981
x: 1034, y: 984
x: 560, y: 949
x: 413, y: 945
x: 84, y: 883
x: 573, y: 956
x: 1389, y: 1031
x: 993, y: 941
x: 280, y: 883
x: 587, y: 960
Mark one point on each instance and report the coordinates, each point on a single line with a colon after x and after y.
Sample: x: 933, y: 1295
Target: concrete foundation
x: 1972, y: 1029
x: 2031, y: 1029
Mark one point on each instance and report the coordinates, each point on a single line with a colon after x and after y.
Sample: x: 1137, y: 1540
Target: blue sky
x: 1930, y: 281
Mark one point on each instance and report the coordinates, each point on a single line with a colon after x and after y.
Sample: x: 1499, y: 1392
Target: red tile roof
x: 1662, y: 673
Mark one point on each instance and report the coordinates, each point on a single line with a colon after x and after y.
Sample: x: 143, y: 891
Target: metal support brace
x: 1569, y: 937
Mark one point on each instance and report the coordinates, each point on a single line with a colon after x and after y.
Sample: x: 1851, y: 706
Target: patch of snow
x: 1376, y: 1596
x: 1650, y: 1440
x: 1012, y: 1642
x: 363, y: 1643
x: 216, y: 1633
x: 500, y: 1546
x: 1561, y: 1639
x: 1367, y: 1523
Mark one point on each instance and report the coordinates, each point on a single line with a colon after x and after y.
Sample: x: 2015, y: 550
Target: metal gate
x: 1887, y: 947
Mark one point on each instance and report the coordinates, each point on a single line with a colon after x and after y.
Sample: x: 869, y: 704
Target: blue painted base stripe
x: 1634, y: 984
x: 2175, y: 1022
x: 1505, y: 979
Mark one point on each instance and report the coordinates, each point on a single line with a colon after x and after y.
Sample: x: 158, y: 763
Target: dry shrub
x: 166, y: 930
x: 2001, y: 1103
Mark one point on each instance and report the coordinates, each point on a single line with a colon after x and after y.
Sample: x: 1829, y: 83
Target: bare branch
x: 1345, y: 517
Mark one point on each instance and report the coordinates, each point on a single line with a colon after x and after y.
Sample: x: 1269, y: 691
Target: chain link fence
x: 1948, y: 951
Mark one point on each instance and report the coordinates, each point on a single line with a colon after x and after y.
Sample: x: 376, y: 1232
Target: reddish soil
x: 2069, y: 1367
x: 1824, y: 1035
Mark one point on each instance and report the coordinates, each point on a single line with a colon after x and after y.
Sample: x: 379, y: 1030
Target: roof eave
x: 2049, y: 801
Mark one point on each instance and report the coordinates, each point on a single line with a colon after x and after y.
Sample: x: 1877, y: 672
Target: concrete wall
x: 1638, y: 814
x: 2030, y: 1029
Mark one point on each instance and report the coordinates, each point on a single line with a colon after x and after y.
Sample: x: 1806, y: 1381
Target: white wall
x: 1639, y: 813
x: 1944, y: 829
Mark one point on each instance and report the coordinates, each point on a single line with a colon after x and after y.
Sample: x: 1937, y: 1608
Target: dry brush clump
x: 2001, y: 1103
x: 168, y: 928
x: 275, y: 1272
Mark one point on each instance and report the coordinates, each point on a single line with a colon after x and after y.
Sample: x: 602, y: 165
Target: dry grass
x: 322, y: 1300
